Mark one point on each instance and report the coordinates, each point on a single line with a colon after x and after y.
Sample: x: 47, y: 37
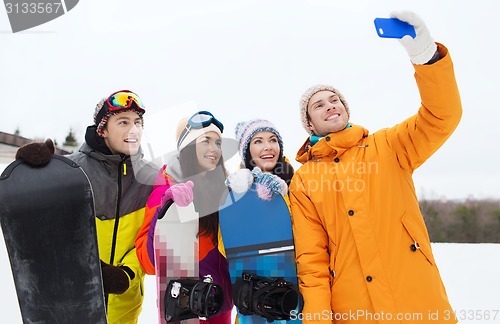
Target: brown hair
x: 209, y: 190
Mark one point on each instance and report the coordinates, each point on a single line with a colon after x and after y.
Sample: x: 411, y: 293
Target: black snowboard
x: 48, y: 222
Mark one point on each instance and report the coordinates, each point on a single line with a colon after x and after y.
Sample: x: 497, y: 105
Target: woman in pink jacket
x: 199, y: 162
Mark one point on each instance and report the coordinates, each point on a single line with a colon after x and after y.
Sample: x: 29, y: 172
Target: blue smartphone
x: 393, y: 28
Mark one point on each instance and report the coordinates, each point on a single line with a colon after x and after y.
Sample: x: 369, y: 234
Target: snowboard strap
x: 187, y: 298
x: 268, y: 297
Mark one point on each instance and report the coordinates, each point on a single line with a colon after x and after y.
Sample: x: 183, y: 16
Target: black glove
x: 37, y: 154
x: 114, y: 279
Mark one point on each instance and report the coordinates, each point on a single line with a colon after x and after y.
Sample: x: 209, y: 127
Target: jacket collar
x: 173, y: 168
x: 95, y: 141
x: 334, y: 144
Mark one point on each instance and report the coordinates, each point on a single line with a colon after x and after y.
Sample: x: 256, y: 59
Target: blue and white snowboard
x: 258, y: 238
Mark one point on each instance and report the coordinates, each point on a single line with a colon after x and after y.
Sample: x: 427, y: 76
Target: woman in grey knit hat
x: 263, y: 162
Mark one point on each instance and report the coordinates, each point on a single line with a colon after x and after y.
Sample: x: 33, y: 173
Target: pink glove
x: 181, y: 194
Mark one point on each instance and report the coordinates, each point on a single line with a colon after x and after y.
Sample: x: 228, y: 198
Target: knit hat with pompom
x: 244, y: 132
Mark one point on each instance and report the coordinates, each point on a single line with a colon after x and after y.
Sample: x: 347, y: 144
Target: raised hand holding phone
x: 421, y: 47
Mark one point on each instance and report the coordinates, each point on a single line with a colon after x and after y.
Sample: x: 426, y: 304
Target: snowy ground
x: 471, y: 273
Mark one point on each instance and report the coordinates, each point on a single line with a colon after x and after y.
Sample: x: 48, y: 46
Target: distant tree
x: 17, y: 132
x: 70, y: 139
x: 435, y: 225
x: 472, y: 221
x: 496, y: 215
x: 469, y: 227
x: 492, y: 226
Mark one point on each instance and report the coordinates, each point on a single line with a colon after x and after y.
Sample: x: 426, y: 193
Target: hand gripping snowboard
x: 48, y: 222
x: 259, y: 246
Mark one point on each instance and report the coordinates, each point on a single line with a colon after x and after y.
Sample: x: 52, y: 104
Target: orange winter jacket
x: 362, y: 247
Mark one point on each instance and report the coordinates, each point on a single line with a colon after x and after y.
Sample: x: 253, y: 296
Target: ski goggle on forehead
x: 124, y: 99
x: 199, y: 120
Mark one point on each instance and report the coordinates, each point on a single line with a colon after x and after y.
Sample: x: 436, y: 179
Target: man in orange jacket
x: 362, y: 247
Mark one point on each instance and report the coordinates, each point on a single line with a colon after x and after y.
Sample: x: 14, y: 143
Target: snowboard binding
x: 271, y: 298
x: 187, y: 298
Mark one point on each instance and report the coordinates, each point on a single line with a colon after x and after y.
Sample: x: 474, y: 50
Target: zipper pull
x: 124, y: 169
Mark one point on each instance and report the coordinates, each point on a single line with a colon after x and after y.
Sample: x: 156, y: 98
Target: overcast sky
x: 249, y: 59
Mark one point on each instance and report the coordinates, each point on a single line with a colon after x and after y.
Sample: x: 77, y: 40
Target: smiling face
x: 123, y: 133
x: 208, y: 150
x: 265, y: 150
x: 327, y: 113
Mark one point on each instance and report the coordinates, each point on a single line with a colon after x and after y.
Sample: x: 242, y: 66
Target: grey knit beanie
x: 304, y: 101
